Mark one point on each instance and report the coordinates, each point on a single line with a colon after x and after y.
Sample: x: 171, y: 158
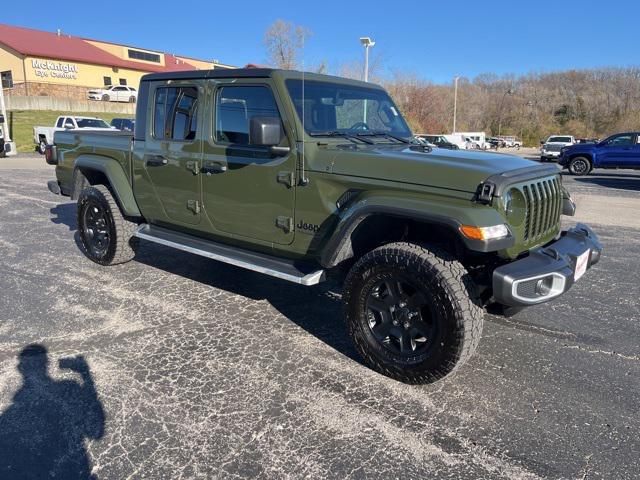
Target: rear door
x: 247, y: 192
x: 173, y: 151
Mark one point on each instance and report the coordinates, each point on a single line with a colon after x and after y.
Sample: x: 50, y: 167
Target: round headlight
x: 514, y: 206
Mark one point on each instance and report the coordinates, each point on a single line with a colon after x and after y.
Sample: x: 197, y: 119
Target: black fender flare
x: 338, y: 248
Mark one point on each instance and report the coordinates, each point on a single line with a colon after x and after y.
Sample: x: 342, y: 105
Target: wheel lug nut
x: 395, y: 322
x: 407, y: 324
x: 402, y: 304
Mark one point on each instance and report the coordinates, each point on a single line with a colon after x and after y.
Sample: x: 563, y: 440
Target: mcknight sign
x: 50, y: 68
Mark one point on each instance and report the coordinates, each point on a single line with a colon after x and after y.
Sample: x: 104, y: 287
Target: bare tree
x: 284, y: 42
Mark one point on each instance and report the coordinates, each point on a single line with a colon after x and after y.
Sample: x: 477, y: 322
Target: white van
x: 478, y: 139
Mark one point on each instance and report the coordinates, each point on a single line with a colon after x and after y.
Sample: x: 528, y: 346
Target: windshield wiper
x: 335, y: 133
x: 378, y: 133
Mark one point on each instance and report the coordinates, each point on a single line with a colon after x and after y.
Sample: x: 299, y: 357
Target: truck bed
x: 70, y: 144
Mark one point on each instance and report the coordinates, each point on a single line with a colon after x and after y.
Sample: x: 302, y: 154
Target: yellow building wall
x: 77, y: 73
x: 11, y: 60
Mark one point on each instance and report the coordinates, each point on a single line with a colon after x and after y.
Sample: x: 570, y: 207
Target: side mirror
x: 541, y: 142
x: 265, y: 131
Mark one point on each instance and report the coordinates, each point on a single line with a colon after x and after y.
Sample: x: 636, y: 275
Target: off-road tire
x: 447, y: 287
x: 122, y: 244
x: 579, y: 166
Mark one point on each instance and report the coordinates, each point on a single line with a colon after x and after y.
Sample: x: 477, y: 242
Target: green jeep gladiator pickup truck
x: 305, y: 176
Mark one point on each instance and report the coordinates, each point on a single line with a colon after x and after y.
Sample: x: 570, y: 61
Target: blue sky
x: 433, y: 40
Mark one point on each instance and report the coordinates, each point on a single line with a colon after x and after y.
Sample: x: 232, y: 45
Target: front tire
x: 105, y: 98
x: 579, y: 166
x: 412, y: 312
x: 106, y: 236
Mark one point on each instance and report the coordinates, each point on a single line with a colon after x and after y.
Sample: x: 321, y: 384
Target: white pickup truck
x: 550, y: 150
x: 43, y: 136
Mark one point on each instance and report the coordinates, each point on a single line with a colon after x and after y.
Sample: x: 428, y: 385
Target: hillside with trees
x: 585, y: 103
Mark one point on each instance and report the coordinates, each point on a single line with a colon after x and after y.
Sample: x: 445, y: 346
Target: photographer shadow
x: 43, y: 432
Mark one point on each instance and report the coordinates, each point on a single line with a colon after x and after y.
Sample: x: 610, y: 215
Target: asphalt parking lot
x: 195, y: 369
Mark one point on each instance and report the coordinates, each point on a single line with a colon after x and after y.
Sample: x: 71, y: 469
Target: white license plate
x: 581, y: 265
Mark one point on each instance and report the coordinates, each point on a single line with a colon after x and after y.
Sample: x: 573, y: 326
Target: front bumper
x: 547, y: 154
x: 547, y: 272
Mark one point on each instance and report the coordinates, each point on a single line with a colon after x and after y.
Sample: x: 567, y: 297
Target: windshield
x: 559, y: 139
x: 332, y: 107
x: 91, y: 123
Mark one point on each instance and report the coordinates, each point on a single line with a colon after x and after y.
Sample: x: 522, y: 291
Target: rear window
x: 175, y: 113
x: 91, y: 123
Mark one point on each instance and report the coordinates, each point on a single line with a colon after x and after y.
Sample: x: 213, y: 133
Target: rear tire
x: 106, y: 236
x: 579, y: 166
x: 132, y: 99
x: 412, y: 312
x: 42, y: 146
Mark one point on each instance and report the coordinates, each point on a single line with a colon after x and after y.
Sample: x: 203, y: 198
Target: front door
x: 619, y: 151
x: 247, y: 191
x: 173, y: 151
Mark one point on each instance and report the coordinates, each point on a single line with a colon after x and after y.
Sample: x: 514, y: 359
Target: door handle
x: 214, y: 167
x: 157, y: 161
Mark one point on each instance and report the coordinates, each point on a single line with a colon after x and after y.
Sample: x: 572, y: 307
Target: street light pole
x: 367, y: 43
x: 455, y: 101
x: 9, y: 146
x: 508, y: 92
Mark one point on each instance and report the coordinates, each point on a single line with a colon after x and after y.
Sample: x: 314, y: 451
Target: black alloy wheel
x: 96, y: 229
x: 400, y: 317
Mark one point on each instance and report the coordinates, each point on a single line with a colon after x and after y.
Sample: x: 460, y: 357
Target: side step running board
x: 258, y: 262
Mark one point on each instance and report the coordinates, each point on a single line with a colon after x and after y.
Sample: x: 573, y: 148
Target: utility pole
x: 455, y: 101
x: 9, y: 146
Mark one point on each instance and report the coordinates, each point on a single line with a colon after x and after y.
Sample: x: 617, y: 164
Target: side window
x: 60, y: 122
x: 235, y: 106
x: 68, y: 123
x: 622, y: 140
x: 175, y: 113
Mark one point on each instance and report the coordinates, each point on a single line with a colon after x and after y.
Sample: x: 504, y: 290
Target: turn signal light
x: 484, y: 233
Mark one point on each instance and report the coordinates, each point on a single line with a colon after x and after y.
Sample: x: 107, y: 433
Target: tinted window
x: 235, y: 106
x: 621, y: 140
x: 60, y: 122
x: 175, y: 113
x: 331, y: 106
x: 68, y: 123
x: 558, y: 139
x: 91, y: 123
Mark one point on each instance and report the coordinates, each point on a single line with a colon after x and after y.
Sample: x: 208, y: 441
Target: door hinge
x: 194, y: 206
x: 192, y: 165
x: 285, y: 223
x: 286, y: 178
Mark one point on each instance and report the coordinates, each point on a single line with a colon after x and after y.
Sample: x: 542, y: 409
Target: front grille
x: 553, y: 148
x: 543, y: 200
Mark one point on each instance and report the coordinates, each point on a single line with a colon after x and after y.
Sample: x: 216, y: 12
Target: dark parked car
x: 439, y: 141
x: 124, y: 124
x: 621, y: 150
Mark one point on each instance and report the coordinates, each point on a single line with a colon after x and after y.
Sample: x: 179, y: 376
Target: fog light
x: 543, y: 286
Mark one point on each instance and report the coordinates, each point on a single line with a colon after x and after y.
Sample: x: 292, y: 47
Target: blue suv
x: 621, y: 150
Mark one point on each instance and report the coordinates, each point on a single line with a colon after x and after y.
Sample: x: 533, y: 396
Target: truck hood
x: 461, y: 170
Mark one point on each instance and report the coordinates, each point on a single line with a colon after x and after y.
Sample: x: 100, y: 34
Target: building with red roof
x: 35, y: 62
